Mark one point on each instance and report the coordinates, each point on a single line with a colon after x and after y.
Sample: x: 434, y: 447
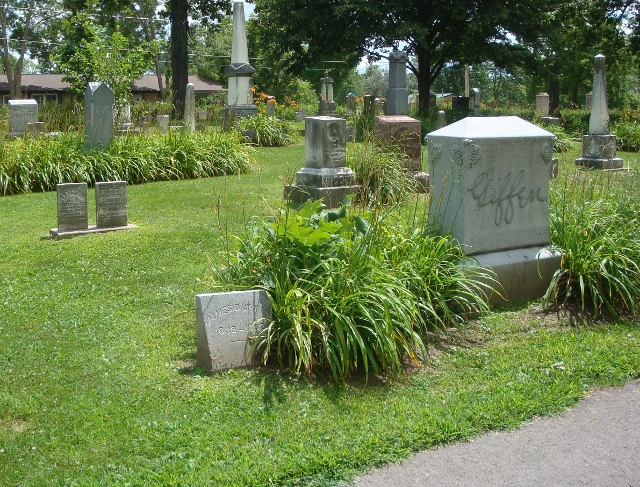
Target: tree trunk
x: 554, y: 90
x: 179, y: 55
x: 423, y: 75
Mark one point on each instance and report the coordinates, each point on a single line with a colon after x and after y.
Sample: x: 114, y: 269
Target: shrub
x: 269, y: 131
x: 380, y: 174
x: 594, y: 223
x: 351, y: 291
x: 627, y: 136
x: 31, y: 165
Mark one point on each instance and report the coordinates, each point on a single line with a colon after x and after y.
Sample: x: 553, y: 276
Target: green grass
x: 98, y: 384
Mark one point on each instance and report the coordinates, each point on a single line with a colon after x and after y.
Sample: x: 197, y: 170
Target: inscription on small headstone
x: 72, y: 207
x: 111, y: 204
x: 225, y: 323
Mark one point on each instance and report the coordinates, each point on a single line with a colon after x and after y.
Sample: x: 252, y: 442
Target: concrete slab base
x: 522, y: 274
x: 591, y: 163
x: 55, y: 233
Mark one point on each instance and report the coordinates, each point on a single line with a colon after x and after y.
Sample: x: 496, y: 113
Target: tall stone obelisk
x: 599, y: 147
x: 239, y: 97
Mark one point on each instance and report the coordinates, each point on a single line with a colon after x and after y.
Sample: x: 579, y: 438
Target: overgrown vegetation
x: 37, y: 164
x: 594, y: 223
x: 352, y: 290
x: 266, y: 131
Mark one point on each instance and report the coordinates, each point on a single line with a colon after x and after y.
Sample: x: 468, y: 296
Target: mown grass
x: 98, y: 384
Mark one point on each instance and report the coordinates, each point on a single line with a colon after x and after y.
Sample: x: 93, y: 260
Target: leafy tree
x: 107, y: 58
x: 23, y: 24
x: 308, y: 31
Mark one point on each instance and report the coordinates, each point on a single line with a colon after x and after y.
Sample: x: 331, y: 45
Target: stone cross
x: 98, y: 116
x: 190, y: 109
x: 397, y: 101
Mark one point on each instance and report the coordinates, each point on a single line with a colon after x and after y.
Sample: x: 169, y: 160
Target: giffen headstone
x: 225, y: 323
x: 490, y: 190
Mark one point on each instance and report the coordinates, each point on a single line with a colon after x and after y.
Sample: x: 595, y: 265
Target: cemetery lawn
x: 98, y: 384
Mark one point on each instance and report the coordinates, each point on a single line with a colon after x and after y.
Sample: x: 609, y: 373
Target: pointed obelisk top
x: 239, y: 51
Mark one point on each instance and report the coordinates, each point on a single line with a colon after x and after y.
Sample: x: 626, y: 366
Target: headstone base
x: 327, y: 109
x: 522, y: 274
x: 55, y: 233
x: 331, y: 196
x: 599, y: 152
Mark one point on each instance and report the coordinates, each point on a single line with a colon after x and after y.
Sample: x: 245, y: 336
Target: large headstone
x: 403, y: 133
x: 98, y: 116
x: 21, y: 113
x: 239, y: 95
x: 325, y: 175
x: 111, y: 204
x: 190, y: 109
x: 225, y: 323
x: 73, y: 213
x: 397, y: 100
x: 599, y: 146
x: 489, y: 183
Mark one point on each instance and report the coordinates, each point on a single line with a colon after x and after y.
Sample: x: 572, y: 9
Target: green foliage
x: 99, y: 58
x: 627, y: 135
x: 62, y: 117
x: 352, y: 291
x: 269, y: 131
x: 594, y: 223
x: 380, y: 174
x: 32, y: 165
x: 564, y: 142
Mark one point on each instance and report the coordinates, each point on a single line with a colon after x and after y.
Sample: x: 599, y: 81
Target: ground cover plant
x: 98, y: 384
x: 37, y: 164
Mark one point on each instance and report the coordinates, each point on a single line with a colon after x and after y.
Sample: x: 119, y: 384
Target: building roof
x: 52, y: 83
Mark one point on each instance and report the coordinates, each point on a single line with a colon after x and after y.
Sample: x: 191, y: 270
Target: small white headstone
x: 225, y: 323
x: 21, y: 113
x: 190, y: 109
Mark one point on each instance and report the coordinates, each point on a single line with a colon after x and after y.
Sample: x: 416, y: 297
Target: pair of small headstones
x: 73, y: 213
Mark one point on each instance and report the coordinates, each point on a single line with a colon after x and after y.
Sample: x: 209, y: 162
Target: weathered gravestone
x: 351, y: 103
x: 301, y: 115
x: 21, y: 114
x: 588, y: 100
x: 98, y: 116
x: 163, y: 123
x: 599, y: 146
x: 397, y: 100
x: 190, y: 109
x: 542, y: 104
x: 325, y: 175
x: 403, y: 133
x: 111, y: 204
x: 476, y: 100
x: 111, y: 209
x: 489, y: 181
x: 225, y: 323
x: 442, y: 120
x: 271, y: 106
x: 239, y: 95
x: 73, y: 213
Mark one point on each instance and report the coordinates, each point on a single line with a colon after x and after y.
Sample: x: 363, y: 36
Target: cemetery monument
x: 489, y: 181
x: 397, y: 102
x: 599, y: 146
x: 327, y: 106
x: 22, y: 113
x: 239, y: 96
x: 325, y: 175
x: 98, y: 116
x: 190, y: 109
